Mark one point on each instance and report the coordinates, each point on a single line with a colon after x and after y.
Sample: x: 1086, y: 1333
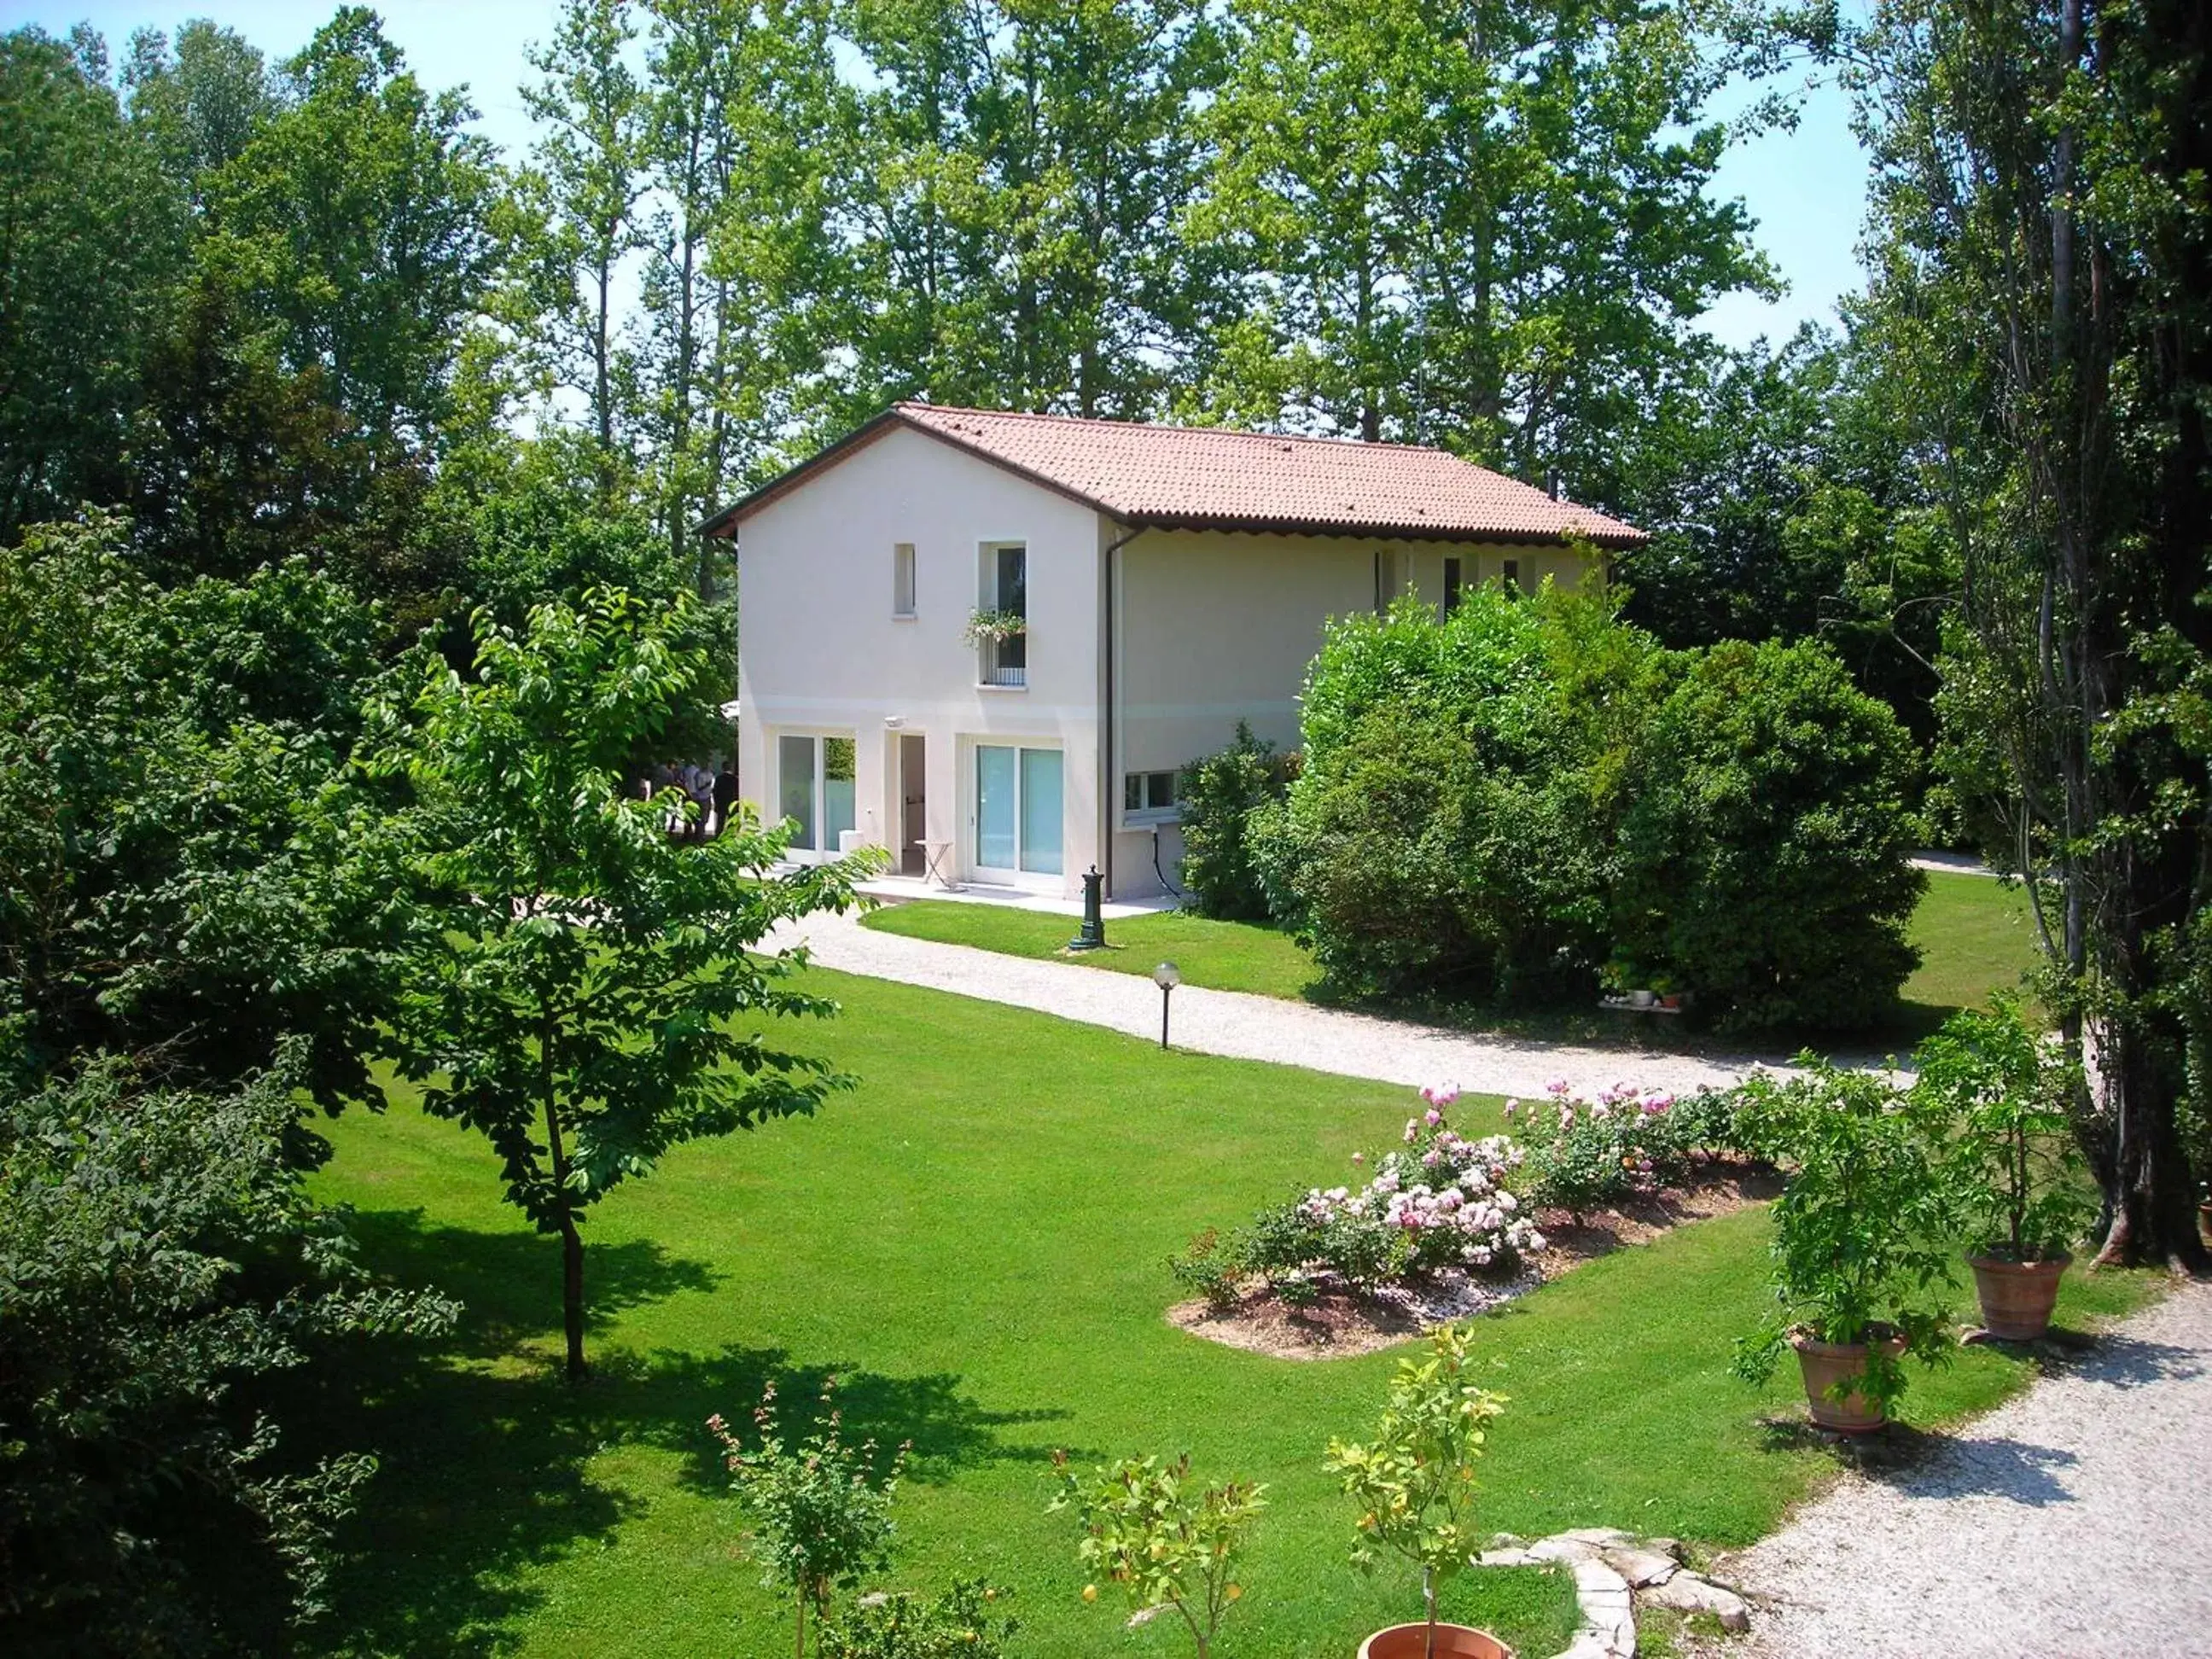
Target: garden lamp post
x: 1167, y: 976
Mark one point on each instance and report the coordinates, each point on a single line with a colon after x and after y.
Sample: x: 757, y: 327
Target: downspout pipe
x: 1110, y: 706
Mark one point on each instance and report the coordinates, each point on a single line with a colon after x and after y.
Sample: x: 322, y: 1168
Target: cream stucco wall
x: 1213, y: 626
x: 819, y: 651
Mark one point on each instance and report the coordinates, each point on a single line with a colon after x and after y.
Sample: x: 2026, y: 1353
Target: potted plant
x: 996, y: 626
x: 1998, y: 1090
x: 1170, y: 1545
x: 1859, y: 1258
x: 1414, y: 1485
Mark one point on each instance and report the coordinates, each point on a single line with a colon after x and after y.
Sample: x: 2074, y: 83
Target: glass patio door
x: 1017, y: 811
x: 814, y: 789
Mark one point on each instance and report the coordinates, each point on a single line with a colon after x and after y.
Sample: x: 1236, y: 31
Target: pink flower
x: 1557, y: 1085
x: 1512, y: 1107
x: 1433, y: 1117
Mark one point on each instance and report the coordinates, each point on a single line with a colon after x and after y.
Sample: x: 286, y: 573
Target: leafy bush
x: 162, y: 1268
x: 822, y: 1516
x: 1451, y: 828
x: 1210, y: 1267
x: 967, y: 1622
x: 1862, y: 1228
x: 1765, y: 854
x: 1996, y: 1089
x: 1218, y: 796
x: 1169, y: 1543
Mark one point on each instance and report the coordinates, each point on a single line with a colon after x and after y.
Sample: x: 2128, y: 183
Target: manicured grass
x: 1975, y: 936
x: 974, y: 1240
x: 1226, y: 956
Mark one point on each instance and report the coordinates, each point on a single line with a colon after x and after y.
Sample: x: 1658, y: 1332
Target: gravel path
x: 1247, y: 1027
x: 2075, y: 1521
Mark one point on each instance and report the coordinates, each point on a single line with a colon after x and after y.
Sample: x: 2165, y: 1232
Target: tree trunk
x: 2152, y: 1196
x: 564, y: 1213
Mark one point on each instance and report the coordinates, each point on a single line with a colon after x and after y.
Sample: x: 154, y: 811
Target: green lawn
x: 974, y: 1240
x: 1975, y: 936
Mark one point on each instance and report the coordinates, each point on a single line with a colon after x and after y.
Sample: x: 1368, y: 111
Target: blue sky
x: 1805, y: 189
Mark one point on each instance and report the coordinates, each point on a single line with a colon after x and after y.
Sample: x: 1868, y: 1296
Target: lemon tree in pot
x: 1861, y: 1231
x: 1996, y: 1089
x: 1414, y: 1484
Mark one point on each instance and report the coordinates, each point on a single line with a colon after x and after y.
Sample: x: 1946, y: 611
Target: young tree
x: 578, y: 987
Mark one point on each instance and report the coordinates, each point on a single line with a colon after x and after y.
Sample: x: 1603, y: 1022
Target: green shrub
x: 1210, y: 1267
x: 1218, y: 796
x: 1765, y: 851
x: 1451, y: 830
x: 969, y: 1621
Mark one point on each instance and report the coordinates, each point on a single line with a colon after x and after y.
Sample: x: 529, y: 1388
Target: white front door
x: 1017, y: 814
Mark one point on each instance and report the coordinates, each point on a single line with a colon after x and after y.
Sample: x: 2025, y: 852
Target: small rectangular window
x: 903, y: 580
x: 1148, y: 792
x: 1451, y: 586
x: 1389, y: 579
x: 1513, y: 575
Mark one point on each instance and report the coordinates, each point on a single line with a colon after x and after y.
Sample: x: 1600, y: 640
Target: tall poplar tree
x: 2044, y: 237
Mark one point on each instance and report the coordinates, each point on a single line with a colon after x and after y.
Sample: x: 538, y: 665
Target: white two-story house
x: 1167, y: 582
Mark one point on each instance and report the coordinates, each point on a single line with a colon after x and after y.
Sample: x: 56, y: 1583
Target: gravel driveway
x: 2075, y: 1521
x: 1247, y: 1027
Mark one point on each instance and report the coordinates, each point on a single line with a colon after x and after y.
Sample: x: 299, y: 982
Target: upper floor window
x: 1003, y: 594
x: 903, y: 580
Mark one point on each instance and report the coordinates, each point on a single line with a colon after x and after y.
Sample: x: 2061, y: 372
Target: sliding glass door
x: 1018, y: 812
x: 814, y: 790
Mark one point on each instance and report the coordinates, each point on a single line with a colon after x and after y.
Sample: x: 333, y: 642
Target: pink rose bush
x: 1438, y: 1201
x: 1583, y: 1155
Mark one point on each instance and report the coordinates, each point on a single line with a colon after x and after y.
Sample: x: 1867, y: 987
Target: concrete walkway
x: 1247, y: 1027
x: 2073, y: 1520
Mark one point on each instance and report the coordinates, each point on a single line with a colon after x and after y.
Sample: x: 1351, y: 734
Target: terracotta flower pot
x: 1452, y: 1642
x: 1826, y: 1364
x: 2017, y: 1297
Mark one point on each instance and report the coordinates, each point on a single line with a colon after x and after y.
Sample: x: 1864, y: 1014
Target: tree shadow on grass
x: 508, y: 1282
x: 485, y: 1450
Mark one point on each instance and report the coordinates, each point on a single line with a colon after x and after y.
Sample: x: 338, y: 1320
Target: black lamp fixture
x: 1167, y: 976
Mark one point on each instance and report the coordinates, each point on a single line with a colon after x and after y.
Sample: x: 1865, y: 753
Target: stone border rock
x: 1615, y: 1570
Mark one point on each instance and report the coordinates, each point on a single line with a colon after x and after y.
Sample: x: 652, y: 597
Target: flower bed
x: 1445, y: 1226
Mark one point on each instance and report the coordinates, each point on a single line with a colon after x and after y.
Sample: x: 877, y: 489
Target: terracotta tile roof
x: 1214, y: 478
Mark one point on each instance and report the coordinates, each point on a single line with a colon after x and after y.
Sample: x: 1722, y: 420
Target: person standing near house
x: 725, y: 797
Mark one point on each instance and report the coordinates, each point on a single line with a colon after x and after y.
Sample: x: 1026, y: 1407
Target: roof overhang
x: 722, y: 524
